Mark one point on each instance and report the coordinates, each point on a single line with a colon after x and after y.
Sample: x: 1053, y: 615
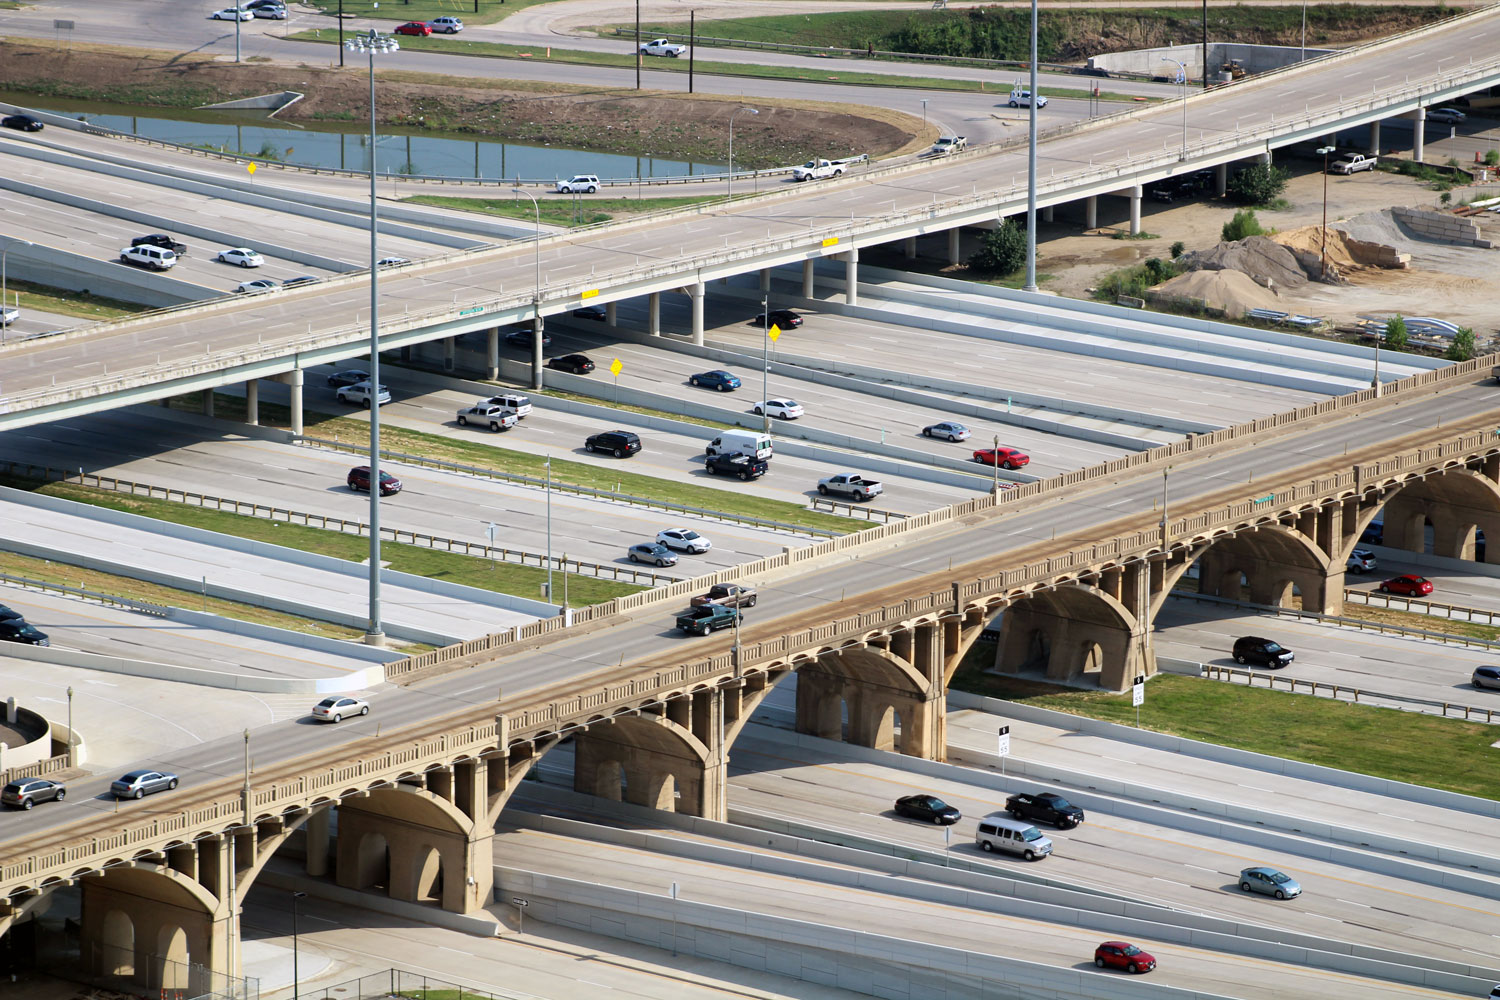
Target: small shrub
x: 1462, y: 348
x: 1178, y: 249
x: 1395, y: 333
x: 1258, y: 184
x: 1003, y: 250
x: 1242, y: 225
x: 1158, y: 269
x: 1445, y: 197
x: 1492, y: 157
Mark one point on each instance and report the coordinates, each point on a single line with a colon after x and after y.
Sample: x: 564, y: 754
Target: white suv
x: 1020, y: 98
x: 583, y: 182
x: 145, y: 255
x: 362, y: 393
x: 451, y: 25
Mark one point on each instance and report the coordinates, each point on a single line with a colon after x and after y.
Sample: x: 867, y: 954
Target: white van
x: 752, y: 443
x: 998, y: 832
x: 513, y: 401
x: 145, y: 255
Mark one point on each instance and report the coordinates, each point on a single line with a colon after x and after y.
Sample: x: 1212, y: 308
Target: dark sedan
x: 1262, y: 652
x: 577, y: 364
x: 353, y: 376
x: 1046, y: 807
x: 717, y: 379
x: 784, y: 318
x: 523, y: 338
x: 928, y: 808
x: 591, y: 312
x: 22, y: 123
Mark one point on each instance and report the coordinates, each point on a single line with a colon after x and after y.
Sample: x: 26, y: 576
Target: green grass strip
x: 559, y: 211
x: 1403, y: 746
x: 82, y: 305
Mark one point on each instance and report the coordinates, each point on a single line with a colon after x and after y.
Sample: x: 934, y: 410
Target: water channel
x: 253, y: 134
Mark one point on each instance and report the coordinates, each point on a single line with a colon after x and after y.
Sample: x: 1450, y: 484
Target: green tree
x: 1462, y: 348
x: 1395, y: 333
x: 1243, y: 224
x: 1003, y: 250
x: 1258, y: 184
x: 1178, y: 248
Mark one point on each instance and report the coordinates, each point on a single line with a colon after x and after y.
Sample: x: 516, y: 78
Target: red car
x: 1119, y: 955
x: 417, y: 28
x: 1407, y: 585
x: 1010, y: 458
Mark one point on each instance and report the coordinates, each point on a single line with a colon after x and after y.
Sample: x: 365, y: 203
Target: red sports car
x: 1008, y: 458
x: 418, y: 28
x: 1119, y: 955
x: 1407, y: 585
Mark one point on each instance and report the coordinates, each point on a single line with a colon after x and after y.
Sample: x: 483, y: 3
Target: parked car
x: 1261, y: 652
x: 717, y: 379
x: 243, y: 256
x: 447, y: 25
x: 258, y: 4
x: 1120, y: 955
x: 578, y: 184
x: 577, y: 364
x: 336, y: 707
x: 784, y: 409
x: 731, y: 595
x: 496, y: 418
x: 1360, y: 561
x: 139, y: 784
x: 1047, y: 807
x: 22, y: 123
x: 684, y: 540
x: 1447, y: 116
x: 596, y: 313
x: 232, y: 14
x: 17, y: 630
x: 929, y: 808
x: 523, y: 338
x: 784, y: 318
x: 950, y: 429
x: 651, y: 552
x: 1486, y: 677
x: 150, y: 257
x: 256, y: 285
x: 620, y: 444
x: 737, y: 463
x: 351, y: 376
x: 1006, y: 458
x: 417, y: 28
x: 1270, y: 882
x: 364, y: 394
x: 27, y: 792
x: 1407, y: 584
x: 359, y: 479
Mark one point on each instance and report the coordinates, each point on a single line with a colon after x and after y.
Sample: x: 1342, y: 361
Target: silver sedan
x: 336, y: 708
x: 138, y: 784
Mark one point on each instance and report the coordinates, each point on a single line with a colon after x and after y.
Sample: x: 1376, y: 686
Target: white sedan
x: 786, y: 409
x: 243, y: 256
x: 683, y: 540
x: 337, y: 707
x: 257, y: 285
x: 232, y: 14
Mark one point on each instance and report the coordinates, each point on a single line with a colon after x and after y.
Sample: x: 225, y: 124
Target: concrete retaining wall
x: 276, y: 876
x: 1443, y: 227
x: 34, y: 750
x: 1153, y: 62
x: 357, y: 680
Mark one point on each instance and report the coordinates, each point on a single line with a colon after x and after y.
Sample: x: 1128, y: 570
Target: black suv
x: 161, y: 240
x: 16, y: 630
x: 621, y: 444
x: 1263, y: 652
x: 1047, y: 807
x: 737, y: 463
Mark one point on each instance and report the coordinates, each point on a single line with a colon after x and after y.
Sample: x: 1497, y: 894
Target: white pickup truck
x: 662, y: 47
x: 850, y: 484
x: 1352, y: 163
x: 816, y: 170
x: 949, y: 144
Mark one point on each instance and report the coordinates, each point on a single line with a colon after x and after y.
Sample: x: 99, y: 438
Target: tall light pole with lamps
x: 536, y: 298
x: 730, y: 185
x: 370, y: 43
x: 1323, y: 261
x: 1182, y: 81
x: 296, y: 991
x: 765, y: 364
x: 1030, y: 285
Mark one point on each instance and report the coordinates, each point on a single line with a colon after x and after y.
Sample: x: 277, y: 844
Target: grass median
x: 1403, y: 746
x: 481, y: 454
x: 450, y: 567
x: 44, y: 298
x: 559, y: 211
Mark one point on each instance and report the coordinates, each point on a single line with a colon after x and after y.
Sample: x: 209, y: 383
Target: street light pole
x: 765, y: 364
x: 995, y: 468
x: 1182, y: 81
x: 1030, y: 285
x: 296, y: 980
x: 536, y: 299
x: 370, y: 44
x: 1164, y: 473
x: 70, y: 726
x: 549, y: 529
x: 237, y: 11
x: 730, y: 186
x: 1323, y: 262
x: 924, y: 110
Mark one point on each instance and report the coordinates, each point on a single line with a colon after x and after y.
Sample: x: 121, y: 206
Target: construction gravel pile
x: 1266, y: 262
x: 1381, y: 227
x: 1230, y: 292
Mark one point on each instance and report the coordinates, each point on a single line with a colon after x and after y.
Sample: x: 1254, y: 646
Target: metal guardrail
x: 248, y: 508
x: 852, y: 510
x: 611, y: 495
x: 1335, y: 691
x: 1417, y: 605
x: 156, y: 610
x: 1446, y: 638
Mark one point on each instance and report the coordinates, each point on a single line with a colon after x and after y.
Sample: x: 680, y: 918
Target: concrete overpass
x: 875, y: 623
x: 277, y: 336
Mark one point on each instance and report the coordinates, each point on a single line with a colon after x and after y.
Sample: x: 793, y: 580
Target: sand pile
x: 1231, y: 292
x: 1266, y: 262
x: 1345, y: 255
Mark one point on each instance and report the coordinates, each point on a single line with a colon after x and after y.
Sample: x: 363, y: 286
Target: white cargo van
x: 999, y: 832
x: 752, y: 443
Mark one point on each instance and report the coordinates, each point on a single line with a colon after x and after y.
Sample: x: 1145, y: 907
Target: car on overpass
x: 782, y: 409
x: 336, y: 708
x: 27, y: 792
x: 717, y: 379
x: 1006, y: 458
x: 301, y: 279
x: 575, y: 364
x: 418, y: 28
x: 1122, y: 955
x: 241, y: 256
x: 1269, y: 882
x: 928, y: 808
x: 18, y: 630
x: 359, y: 479
x: 22, y: 123
x: 161, y: 240
x: 392, y: 262
x: 364, y: 394
x: 1261, y: 652
x: 1407, y: 585
x: 950, y: 429
x: 1048, y: 807
x: 684, y: 540
x: 138, y: 784
x: 256, y: 285
x: 653, y: 553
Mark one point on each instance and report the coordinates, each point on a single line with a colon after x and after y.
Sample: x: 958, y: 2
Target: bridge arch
x: 651, y: 759
x: 1075, y: 632
x: 1457, y: 502
x: 865, y: 694
x: 1273, y: 564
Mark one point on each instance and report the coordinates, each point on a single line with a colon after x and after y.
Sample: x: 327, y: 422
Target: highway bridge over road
x: 872, y: 624
x: 281, y: 334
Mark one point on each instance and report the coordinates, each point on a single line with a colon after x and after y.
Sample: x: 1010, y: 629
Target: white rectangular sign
x: 1004, y: 737
x: 1138, y: 692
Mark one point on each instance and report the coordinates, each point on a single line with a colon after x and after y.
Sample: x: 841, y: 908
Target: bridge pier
x: 1419, y: 133
x: 252, y: 401
x: 1375, y: 138
x: 208, y: 402
x: 910, y: 248
x: 807, y: 278
x: 886, y: 697
x: 611, y: 314
x: 1458, y: 503
x: 1221, y: 179
x: 450, y: 353
x: 953, y: 235
x: 492, y: 352
x: 851, y: 277
x: 537, y: 336
x: 1047, y: 213
x: 1135, y: 210
x: 1091, y: 212
x: 765, y: 279
x: 695, y: 291
x: 653, y: 314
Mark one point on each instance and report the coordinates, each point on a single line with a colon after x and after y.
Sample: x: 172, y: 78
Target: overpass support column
x: 696, y: 292
x: 1418, y: 133
x: 1047, y: 213
x: 1091, y: 212
x: 653, y: 314
x: 953, y: 249
x: 450, y: 353
x: 1221, y: 179
x: 910, y: 248
x: 820, y: 705
x: 1375, y: 138
x: 315, y: 837
x: 765, y: 279
x: 536, y: 351
x: 208, y: 402
x: 492, y: 352
x: 1135, y: 210
x: 851, y: 278
x: 807, y: 278
x: 611, y: 314
x: 252, y: 401
x: 293, y: 379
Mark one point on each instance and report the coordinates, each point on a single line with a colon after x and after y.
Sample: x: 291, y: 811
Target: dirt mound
x: 1345, y: 256
x: 1228, y: 291
x: 1266, y: 262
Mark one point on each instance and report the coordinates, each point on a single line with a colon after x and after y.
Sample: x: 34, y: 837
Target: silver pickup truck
x: 850, y: 484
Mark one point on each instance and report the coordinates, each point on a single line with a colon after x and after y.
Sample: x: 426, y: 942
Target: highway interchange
x: 772, y: 774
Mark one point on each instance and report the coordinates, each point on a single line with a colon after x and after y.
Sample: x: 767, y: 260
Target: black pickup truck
x: 737, y: 463
x: 707, y: 618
